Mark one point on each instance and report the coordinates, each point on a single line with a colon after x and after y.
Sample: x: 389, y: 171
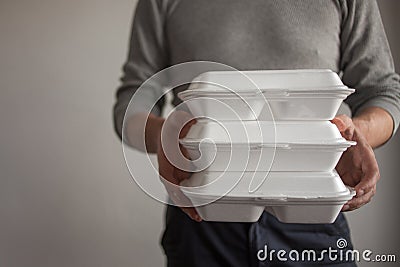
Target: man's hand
x: 357, y: 167
x: 177, y: 125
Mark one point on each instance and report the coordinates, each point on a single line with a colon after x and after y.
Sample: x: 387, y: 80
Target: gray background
x: 66, y: 198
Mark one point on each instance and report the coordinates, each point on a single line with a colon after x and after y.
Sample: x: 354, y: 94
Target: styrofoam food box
x: 273, y: 184
x: 277, y: 185
x: 301, y: 106
x: 286, y: 211
x: 264, y: 146
x: 226, y: 107
x: 291, y: 95
x: 247, y: 81
x: 289, y: 196
x: 264, y: 131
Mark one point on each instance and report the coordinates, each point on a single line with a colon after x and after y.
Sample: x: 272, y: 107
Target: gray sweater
x: 346, y: 36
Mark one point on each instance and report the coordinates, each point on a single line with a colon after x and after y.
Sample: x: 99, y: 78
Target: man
x: 346, y: 36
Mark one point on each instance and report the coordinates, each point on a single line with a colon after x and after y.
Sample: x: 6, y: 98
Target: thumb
x: 340, y: 124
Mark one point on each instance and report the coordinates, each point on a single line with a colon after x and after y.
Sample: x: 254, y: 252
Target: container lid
x: 200, y: 200
x: 221, y: 94
x: 277, y: 187
x: 320, y: 133
x: 209, y: 145
x: 269, y: 94
x: 242, y: 81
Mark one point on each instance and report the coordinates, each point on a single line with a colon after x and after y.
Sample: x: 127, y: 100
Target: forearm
x: 376, y: 125
x: 143, y: 132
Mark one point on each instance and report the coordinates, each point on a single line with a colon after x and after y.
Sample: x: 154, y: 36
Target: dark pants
x: 190, y: 244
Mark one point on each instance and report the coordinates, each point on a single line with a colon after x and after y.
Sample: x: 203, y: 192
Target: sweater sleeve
x: 366, y: 61
x: 147, y: 55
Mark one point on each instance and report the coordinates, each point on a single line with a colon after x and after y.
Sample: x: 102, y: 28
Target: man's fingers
x: 371, y: 175
x: 345, y: 126
x: 186, y: 128
x: 358, y: 166
x: 176, y: 195
x: 180, y: 122
x: 358, y: 202
x: 192, y: 213
x: 339, y: 123
x: 367, y: 184
x: 180, y: 200
x: 184, y: 203
x: 184, y: 151
x: 167, y: 177
x: 177, y: 125
x: 366, y: 188
x: 181, y: 175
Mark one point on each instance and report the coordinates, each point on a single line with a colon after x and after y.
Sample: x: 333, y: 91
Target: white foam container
x: 286, y: 211
x: 273, y: 184
x: 308, y: 197
x: 264, y: 131
x: 302, y: 106
x: 291, y: 95
x: 265, y: 146
x: 226, y: 107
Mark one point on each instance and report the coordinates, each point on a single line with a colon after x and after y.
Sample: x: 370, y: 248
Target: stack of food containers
x: 268, y: 144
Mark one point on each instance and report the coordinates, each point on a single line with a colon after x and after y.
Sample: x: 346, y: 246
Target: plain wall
x: 66, y: 197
